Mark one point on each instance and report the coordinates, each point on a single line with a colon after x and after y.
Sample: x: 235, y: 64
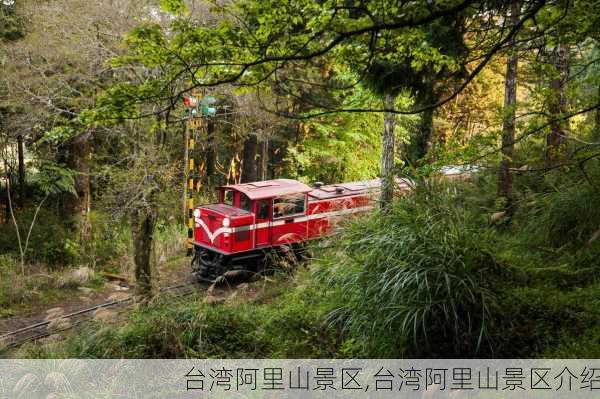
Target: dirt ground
x: 170, y: 273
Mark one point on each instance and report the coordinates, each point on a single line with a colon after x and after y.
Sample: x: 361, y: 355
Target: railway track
x: 66, y: 322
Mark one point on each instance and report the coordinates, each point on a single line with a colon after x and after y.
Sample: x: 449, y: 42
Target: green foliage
x: 541, y: 320
x: 339, y: 148
x: 570, y: 215
x: 561, y: 208
x: 58, y: 134
x: 54, y: 179
x: 109, y: 240
x: 174, y: 6
x: 12, y: 26
x: 49, y: 243
x: 429, y: 271
x: 56, y: 246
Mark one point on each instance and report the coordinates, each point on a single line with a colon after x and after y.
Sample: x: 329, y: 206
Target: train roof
x: 277, y: 187
x: 344, y: 189
x: 269, y: 188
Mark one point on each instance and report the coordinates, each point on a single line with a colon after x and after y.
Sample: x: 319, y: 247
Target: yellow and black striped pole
x: 196, y: 126
x: 190, y: 193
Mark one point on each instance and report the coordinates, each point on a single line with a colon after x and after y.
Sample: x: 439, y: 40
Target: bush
x: 51, y: 242
x: 568, y: 215
x: 418, y: 279
x: 109, y: 239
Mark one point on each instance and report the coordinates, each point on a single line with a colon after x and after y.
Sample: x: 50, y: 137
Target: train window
x: 228, y: 197
x: 245, y: 202
x: 262, y: 210
x: 288, y: 205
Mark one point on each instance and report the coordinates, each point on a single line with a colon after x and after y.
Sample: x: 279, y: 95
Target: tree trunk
x: 210, y: 151
x: 142, y: 231
x: 597, y: 122
x: 425, y: 133
x: 6, y: 174
x: 77, y: 206
x: 249, y: 159
x: 508, y: 122
x: 387, y: 153
x: 264, y: 159
x: 422, y: 137
x: 557, y: 106
x: 21, y: 170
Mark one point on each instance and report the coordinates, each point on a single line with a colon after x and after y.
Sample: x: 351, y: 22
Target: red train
x: 254, y: 218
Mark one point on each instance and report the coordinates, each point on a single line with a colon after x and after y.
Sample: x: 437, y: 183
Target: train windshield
x: 242, y: 202
x: 228, y: 197
x: 245, y: 202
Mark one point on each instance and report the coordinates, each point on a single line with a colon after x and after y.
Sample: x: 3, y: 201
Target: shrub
x: 418, y: 278
x: 51, y: 242
x: 568, y: 215
x: 539, y: 320
x: 110, y: 238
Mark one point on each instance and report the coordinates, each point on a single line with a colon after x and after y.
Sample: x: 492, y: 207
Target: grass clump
x: 566, y: 215
x: 419, y: 279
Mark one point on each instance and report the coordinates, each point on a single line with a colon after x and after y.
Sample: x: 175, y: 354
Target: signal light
x: 206, y: 109
x: 190, y: 101
x: 202, y: 106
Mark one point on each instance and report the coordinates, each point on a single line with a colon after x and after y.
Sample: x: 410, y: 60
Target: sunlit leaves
x: 176, y: 7
x: 58, y: 134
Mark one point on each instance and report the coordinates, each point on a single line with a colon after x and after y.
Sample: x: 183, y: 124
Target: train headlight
x: 197, y: 213
x: 226, y: 222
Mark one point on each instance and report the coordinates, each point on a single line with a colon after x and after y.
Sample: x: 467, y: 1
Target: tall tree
x: 21, y: 167
x: 388, y: 151
x: 557, y: 104
x: 143, y: 221
x: 77, y: 205
x: 508, y: 120
x: 249, y: 152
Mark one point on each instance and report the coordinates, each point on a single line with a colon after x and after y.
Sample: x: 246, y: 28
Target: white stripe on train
x: 213, y: 235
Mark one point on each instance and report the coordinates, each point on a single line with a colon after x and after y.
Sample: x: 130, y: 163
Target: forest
x: 501, y: 262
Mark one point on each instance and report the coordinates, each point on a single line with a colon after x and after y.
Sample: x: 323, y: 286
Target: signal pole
x: 196, y: 126
x: 191, y: 143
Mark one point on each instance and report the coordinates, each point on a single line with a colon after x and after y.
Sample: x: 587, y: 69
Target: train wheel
x: 208, y: 265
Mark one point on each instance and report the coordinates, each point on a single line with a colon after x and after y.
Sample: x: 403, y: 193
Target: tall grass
x: 566, y: 215
x: 419, y: 279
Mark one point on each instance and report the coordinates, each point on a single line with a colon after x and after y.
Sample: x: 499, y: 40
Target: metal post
x: 190, y: 192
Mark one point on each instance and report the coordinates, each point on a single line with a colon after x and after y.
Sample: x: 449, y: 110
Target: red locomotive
x: 253, y: 218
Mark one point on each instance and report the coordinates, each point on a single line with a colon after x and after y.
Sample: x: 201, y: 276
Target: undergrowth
x: 279, y: 323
